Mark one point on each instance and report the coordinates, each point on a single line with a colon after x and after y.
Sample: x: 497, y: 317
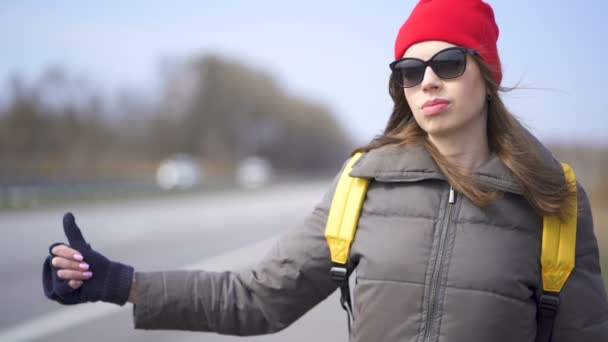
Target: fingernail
x: 87, y: 274
x: 84, y: 266
x: 78, y: 257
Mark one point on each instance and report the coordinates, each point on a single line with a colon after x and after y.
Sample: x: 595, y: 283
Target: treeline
x: 219, y: 111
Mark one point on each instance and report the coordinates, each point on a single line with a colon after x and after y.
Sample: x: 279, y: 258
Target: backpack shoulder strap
x: 344, y: 212
x: 557, y: 260
x: 341, y: 226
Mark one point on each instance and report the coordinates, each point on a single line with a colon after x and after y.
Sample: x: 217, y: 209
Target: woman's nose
x: 430, y: 81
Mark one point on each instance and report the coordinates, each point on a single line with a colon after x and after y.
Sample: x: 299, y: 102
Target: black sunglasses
x: 447, y: 63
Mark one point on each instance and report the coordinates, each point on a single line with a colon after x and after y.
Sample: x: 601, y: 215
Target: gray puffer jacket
x: 426, y: 269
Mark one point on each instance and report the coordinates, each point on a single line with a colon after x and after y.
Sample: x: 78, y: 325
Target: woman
x: 448, y: 241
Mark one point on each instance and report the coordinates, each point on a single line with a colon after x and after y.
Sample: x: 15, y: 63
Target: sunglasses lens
x: 449, y: 63
x: 409, y: 72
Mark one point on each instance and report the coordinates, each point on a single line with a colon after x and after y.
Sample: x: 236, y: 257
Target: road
x: 215, y: 232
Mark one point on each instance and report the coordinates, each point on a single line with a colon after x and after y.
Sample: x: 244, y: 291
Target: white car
x: 179, y: 171
x: 254, y: 172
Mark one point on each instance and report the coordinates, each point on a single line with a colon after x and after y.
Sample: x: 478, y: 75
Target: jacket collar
x: 414, y: 163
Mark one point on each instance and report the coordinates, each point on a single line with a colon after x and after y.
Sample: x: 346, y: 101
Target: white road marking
x: 70, y: 316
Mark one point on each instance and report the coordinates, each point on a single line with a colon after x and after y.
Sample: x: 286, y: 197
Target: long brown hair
x: 544, y: 186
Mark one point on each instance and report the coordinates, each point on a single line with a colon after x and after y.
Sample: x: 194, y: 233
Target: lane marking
x: 70, y: 316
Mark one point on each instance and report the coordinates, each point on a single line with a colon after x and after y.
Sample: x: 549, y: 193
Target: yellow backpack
x: 557, y: 254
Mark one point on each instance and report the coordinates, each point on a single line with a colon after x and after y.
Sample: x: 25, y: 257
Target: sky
x: 335, y: 52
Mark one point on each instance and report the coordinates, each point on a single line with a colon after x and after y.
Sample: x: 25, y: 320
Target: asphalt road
x: 215, y: 232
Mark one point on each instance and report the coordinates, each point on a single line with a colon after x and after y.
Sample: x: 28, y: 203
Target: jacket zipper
x: 437, y: 268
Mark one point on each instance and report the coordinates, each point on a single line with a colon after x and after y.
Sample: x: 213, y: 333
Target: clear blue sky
x: 334, y: 51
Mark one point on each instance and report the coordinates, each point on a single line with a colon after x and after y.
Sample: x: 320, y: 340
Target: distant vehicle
x: 179, y: 171
x: 254, y: 172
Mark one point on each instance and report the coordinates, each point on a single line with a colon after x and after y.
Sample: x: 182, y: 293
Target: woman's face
x: 461, y: 106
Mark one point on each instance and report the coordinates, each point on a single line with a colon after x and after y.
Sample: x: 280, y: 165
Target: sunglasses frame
x: 429, y: 63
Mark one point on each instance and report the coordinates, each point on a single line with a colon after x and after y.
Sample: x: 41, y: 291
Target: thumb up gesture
x: 76, y: 273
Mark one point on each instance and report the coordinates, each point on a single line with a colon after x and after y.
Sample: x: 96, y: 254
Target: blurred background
x: 154, y: 122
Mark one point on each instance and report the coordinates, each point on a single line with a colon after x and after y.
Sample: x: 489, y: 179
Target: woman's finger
x: 75, y: 284
x: 67, y: 253
x: 60, y: 262
x: 74, y: 275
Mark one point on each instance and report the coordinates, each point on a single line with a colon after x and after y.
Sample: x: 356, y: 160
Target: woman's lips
x: 434, y: 108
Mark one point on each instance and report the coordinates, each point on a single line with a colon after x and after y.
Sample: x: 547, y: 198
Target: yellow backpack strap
x: 557, y: 259
x: 559, y: 241
x: 341, y: 226
x: 344, y: 213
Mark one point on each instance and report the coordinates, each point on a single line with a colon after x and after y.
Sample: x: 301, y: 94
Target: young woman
x: 448, y: 242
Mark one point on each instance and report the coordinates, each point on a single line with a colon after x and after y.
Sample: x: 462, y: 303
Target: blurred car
x: 179, y: 171
x: 254, y: 172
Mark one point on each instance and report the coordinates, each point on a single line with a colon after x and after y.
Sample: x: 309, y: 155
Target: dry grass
x: 599, y: 208
x: 590, y: 163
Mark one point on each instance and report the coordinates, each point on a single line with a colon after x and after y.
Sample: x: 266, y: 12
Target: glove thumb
x: 72, y: 232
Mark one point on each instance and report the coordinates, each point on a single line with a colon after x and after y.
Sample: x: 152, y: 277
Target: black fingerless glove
x: 111, y: 281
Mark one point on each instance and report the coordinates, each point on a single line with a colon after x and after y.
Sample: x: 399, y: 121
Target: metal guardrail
x: 32, y: 194
x: 36, y: 193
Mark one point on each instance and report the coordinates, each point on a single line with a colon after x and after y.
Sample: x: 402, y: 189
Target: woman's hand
x: 67, y: 273
x: 71, y: 265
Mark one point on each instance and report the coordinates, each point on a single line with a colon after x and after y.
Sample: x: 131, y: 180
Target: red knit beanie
x: 468, y: 23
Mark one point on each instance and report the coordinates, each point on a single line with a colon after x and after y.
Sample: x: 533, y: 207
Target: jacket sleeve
x: 583, y: 311
x: 291, y: 279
